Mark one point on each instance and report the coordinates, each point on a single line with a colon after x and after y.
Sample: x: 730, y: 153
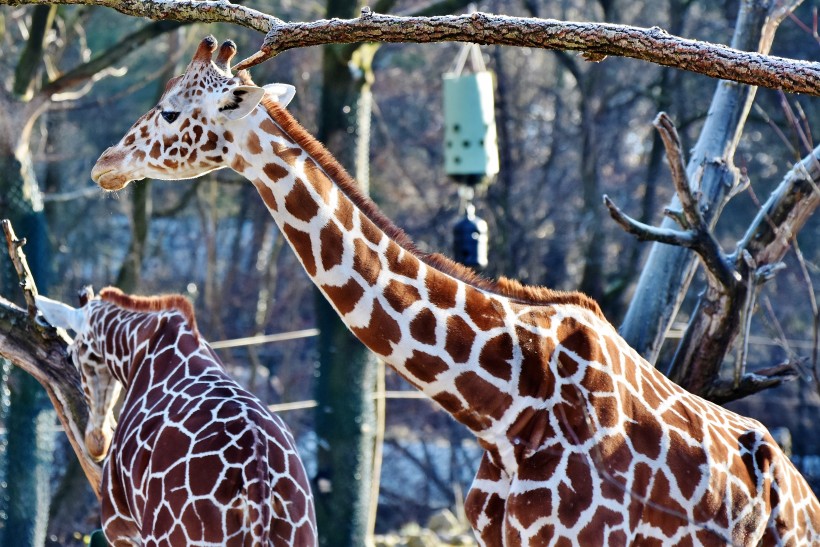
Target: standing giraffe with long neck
x: 585, y: 442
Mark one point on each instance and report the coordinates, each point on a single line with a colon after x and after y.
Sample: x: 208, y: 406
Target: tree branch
x: 696, y: 233
x: 40, y: 350
x: 98, y: 64
x: 717, y: 320
x: 724, y: 391
x: 645, y: 232
x: 595, y: 40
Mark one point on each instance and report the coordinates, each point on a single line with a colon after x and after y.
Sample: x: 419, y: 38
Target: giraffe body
x: 586, y: 443
x: 195, y: 459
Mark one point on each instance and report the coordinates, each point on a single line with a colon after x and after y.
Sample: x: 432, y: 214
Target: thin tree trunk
x: 345, y: 416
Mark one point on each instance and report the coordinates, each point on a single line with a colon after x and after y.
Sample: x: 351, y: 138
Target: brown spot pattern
x: 400, y: 295
x: 380, y: 332
x: 460, y: 338
x: 252, y: 144
x: 301, y: 244
x: 366, y: 262
x: 331, y: 241
x: 441, y: 289
x: 485, y: 312
x: 401, y: 262
x: 425, y: 367
x: 300, y: 203
x: 496, y: 355
x: 274, y: 171
x: 266, y: 194
x: 423, y: 327
x: 484, y: 398
x: 344, y: 297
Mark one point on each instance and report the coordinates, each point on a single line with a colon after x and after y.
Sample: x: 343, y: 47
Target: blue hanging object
x: 470, y: 239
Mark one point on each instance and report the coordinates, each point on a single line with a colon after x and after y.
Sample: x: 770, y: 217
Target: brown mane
x: 509, y: 288
x: 168, y: 302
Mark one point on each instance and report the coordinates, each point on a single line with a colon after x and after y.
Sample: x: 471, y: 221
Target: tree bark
x: 717, y: 322
x: 669, y: 269
x: 345, y: 415
x: 41, y: 353
x: 595, y: 40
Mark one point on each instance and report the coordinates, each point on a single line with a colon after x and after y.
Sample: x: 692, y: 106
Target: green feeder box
x: 470, y: 142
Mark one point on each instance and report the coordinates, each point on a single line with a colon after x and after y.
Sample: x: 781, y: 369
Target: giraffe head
x: 100, y: 387
x: 111, y: 333
x: 191, y: 130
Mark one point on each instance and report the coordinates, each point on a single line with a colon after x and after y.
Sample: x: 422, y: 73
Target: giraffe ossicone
x: 585, y: 442
x: 195, y: 459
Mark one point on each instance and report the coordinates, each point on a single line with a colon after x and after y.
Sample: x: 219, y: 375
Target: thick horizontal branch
x: 595, y: 40
x: 185, y: 11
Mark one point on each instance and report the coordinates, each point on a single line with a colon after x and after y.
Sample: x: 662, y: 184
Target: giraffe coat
x: 195, y: 459
x: 586, y: 443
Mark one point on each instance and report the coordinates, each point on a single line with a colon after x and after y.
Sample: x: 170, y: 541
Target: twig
x: 815, y: 311
x: 674, y: 156
x: 725, y: 391
x: 746, y: 313
x: 696, y: 233
x: 18, y: 258
x: 645, y: 232
x: 594, y: 40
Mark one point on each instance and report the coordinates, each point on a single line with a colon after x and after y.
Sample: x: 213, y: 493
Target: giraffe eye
x: 169, y: 116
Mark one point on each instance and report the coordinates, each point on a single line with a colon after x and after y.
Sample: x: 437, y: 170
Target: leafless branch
x: 18, y: 258
x: 724, y: 391
x: 594, y: 40
x: 674, y: 156
x: 696, y: 233
x: 645, y: 232
x: 40, y: 350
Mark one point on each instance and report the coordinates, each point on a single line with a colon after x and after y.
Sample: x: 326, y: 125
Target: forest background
x: 569, y: 131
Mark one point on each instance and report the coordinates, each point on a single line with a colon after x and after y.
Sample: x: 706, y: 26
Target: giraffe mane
x: 167, y: 302
x: 509, y: 288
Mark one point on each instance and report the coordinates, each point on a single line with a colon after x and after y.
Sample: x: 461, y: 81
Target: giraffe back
x: 194, y: 458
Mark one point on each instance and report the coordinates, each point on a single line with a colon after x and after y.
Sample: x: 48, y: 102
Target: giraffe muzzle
x: 97, y: 442
x: 107, y: 171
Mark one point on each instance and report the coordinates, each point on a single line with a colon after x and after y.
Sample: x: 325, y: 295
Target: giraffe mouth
x: 110, y: 179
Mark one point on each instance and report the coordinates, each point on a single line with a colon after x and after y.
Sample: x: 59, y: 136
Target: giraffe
x: 195, y: 459
x: 585, y: 443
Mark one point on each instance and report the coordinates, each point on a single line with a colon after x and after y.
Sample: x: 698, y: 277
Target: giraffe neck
x: 128, y: 338
x: 441, y: 327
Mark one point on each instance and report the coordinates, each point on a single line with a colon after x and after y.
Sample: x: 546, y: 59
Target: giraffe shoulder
x: 168, y: 302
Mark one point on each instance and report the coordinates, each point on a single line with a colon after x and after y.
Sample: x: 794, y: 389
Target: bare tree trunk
x: 345, y: 416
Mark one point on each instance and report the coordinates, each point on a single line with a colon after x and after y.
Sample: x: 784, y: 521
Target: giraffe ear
x: 236, y: 103
x: 61, y: 315
x: 281, y: 93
